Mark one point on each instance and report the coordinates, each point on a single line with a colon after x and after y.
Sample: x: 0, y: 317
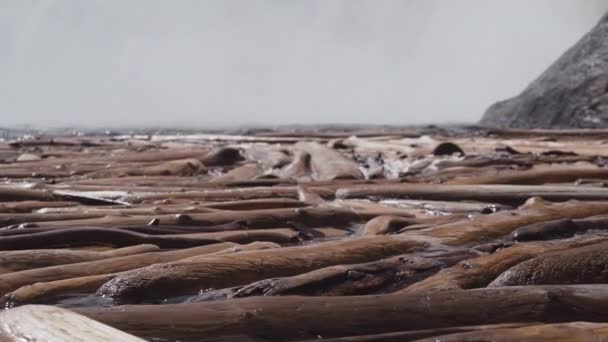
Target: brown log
x: 484, y: 228
x: 15, y: 219
x: 43, y: 291
x: 267, y: 218
x: 290, y: 317
x: 20, y: 194
x: 583, y: 265
x: 542, y: 176
x: 505, y: 194
x: 23, y: 260
x: 29, y: 206
x: 576, y: 331
x: 400, y: 336
x: 479, y: 272
x: 99, y: 236
x: 232, y: 194
x: 343, y: 280
x: 12, y: 281
x: 190, y: 276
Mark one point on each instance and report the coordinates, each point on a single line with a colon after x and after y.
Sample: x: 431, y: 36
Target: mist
x: 268, y: 62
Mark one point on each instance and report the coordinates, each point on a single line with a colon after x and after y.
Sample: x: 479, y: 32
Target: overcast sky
x: 231, y: 62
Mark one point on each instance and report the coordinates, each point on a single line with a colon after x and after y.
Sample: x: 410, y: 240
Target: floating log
x: 27, y: 259
x: 45, y: 290
x: 8, y: 194
x: 506, y: 194
x: 576, y: 331
x: 99, y: 236
x: 484, y: 228
x: 342, y: 280
x: 190, y: 276
x: 479, y: 272
x: 583, y: 265
x: 400, y: 336
x: 29, y: 206
x: 291, y: 317
x: 267, y: 218
x: 12, y: 281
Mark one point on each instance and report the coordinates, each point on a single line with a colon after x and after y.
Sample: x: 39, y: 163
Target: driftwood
x: 27, y: 259
x: 507, y: 194
x: 577, y: 331
x: 382, y: 276
x: 281, y: 318
x: 479, y: 272
x: 48, y: 323
x: 419, y: 334
x: 190, y: 276
x: 483, y: 228
x: 20, y: 194
x: 559, y: 228
x: 29, y: 206
x: 99, y: 236
x: 45, y: 290
x: 12, y: 281
x: 268, y: 218
x: 583, y: 265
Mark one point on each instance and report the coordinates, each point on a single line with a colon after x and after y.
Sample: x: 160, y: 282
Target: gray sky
x: 210, y: 62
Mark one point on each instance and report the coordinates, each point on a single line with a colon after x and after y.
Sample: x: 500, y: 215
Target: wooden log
x: 399, y: 336
x: 542, y: 176
x: 267, y: 218
x: 484, y: 228
x: 45, y: 290
x: 8, y: 194
x: 506, y: 194
x: 232, y: 194
x: 29, y: 206
x: 190, y: 276
x: 545, y: 230
x: 16, y: 219
x: 576, y: 331
x: 23, y: 260
x: 276, y: 235
x: 99, y: 236
x: 342, y: 280
x: 12, y: 281
x: 583, y: 265
x: 479, y: 272
x: 290, y: 317
x: 49, y: 323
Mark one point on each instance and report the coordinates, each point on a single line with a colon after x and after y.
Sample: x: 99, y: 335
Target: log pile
x: 342, y: 235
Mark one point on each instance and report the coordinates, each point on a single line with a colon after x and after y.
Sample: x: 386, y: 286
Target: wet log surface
x: 391, y: 234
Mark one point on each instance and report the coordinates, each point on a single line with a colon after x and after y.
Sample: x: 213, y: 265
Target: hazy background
x: 229, y: 62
